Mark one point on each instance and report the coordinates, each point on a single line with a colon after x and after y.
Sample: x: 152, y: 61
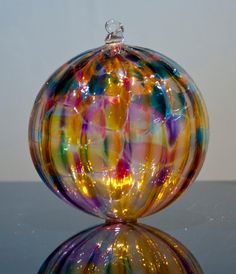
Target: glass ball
x: 121, y: 248
x: 119, y: 131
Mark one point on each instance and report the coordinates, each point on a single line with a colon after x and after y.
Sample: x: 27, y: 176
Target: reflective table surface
x: 33, y: 223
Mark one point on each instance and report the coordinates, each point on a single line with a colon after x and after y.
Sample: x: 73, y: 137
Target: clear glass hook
x: 115, y: 31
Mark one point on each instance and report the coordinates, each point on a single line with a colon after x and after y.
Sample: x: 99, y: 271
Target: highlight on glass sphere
x: 121, y: 248
x: 119, y: 131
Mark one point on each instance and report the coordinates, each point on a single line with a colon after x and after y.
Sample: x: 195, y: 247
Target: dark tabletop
x: 33, y: 222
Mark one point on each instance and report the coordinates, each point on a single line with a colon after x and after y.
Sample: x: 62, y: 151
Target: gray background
x: 36, y: 37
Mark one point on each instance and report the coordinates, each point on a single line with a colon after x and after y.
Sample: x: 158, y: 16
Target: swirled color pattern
x: 119, y: 132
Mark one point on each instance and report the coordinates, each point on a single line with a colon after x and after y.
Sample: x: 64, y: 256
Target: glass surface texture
x: 34, y: 222
x: 119, y: 249
x: 119, y: 132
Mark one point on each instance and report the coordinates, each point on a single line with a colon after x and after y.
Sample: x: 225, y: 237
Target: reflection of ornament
x: 119, y: 131
x: 121, y: 248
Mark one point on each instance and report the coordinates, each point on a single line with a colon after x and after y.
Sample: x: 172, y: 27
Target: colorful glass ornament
x: 121, y: 248
x: 119, y: 131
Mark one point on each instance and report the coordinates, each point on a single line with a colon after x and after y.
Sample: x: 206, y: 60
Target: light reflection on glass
x: 121, y: 248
